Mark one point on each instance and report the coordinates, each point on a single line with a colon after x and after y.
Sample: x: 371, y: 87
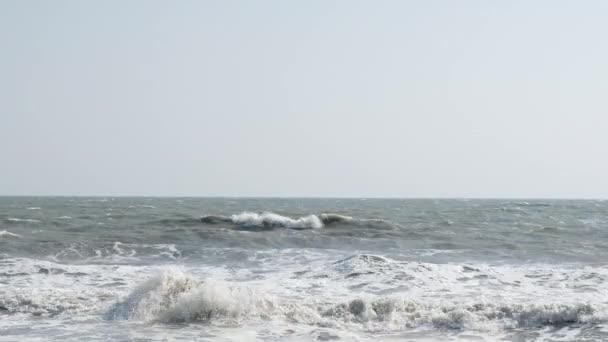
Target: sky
x: 304, y: 98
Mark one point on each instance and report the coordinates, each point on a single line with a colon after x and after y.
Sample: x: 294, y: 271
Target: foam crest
x: 42, y: 303
x: 272, y: 220
x: 173, y: 297
x: 44, y: 288
x: 17, y: 220
x: 7, y: 234
x: 394, y: 313
x: 554, y: 314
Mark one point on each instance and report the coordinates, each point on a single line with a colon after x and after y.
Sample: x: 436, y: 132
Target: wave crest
x: 175, y: 297
x: 269, y: 220
x: 5, y: 233
x: 15, y: 220
x: 412, y: 314
x: 272, y: 220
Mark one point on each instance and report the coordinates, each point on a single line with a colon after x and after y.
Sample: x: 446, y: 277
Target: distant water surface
x: 212, y: 269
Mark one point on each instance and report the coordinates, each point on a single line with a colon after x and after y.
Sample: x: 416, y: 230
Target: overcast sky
x: 304, y: 98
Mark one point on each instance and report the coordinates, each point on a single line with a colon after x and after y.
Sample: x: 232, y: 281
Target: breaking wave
x: 176, y: 297
x: 4, y: 233
x: 271, y: 220
x: 478, y: 316
x: 17, y: 220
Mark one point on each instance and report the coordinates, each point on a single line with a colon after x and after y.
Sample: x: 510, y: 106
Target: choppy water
x: 165, y: 269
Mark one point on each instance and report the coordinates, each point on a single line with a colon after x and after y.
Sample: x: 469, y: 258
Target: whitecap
x: 173, y: 296
x: 15, y: 219
x: 176, y: 297
x: 4, y: 233
x: 271, y: 220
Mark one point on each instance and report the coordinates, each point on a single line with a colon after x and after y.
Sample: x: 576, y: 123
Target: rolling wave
x: 187, y: 221
x: 16, y: 220
x: 271, y: 220
x: 176, y: 297
x: 5, y: 233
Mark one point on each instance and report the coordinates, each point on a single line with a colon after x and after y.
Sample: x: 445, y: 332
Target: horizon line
x: 314, y: 197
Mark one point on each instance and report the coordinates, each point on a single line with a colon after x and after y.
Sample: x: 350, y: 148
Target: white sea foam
x: 174, y: 296
x: 272, y: 220
x: 542, y: 281
x: 304, y: 291
x: 15, y: 219
x: 7, y: 234
x: 179, y: 297
x: 49, y: 289
x: 267, y: 219
x: 145, y: 206
x: 121, y: 251
x: 168, y: 250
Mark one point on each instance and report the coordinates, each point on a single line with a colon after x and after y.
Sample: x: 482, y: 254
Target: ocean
x: 241, y: 269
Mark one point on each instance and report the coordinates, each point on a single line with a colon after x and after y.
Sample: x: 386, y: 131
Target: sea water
x: 229, y: 269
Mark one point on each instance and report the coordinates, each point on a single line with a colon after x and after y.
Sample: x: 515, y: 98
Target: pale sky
x: 304, y: 98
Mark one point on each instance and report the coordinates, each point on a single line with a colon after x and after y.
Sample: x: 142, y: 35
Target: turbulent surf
x: 302, y: 269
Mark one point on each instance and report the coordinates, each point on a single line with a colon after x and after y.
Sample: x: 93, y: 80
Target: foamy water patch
x: 435, y: 298
x: 34, y: 288
x: 272, y: 220
x: 17, y: 220
x: 7, y: 234
x: 319, y: 296
x: 174, y: 297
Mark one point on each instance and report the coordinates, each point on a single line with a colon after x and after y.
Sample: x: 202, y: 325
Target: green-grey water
x: 302, y: 269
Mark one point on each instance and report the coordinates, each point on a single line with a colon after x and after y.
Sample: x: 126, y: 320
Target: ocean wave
x: 145, y: 206
x: 4, y: 233
x: 46, y: 304
x: 176, y: 297
x: 477, y: 316
x: 42, y: 288
x: 115, y: 253
x: 328, y: 219
x: 271, y: 220
x: 17, y: 220
x: 215, y: 219
x: 186, y: 221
